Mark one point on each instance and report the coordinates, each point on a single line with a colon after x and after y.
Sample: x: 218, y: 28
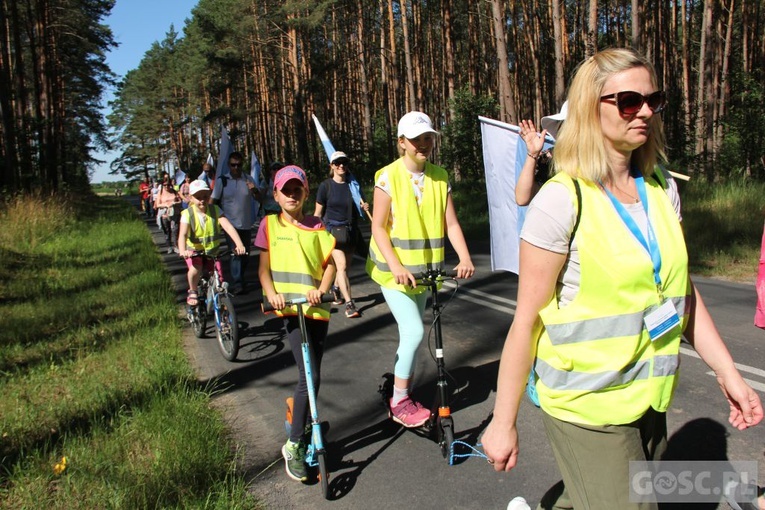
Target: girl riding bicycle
x: 413, y: 212
x: 295, y: 261
x: 199, y: 232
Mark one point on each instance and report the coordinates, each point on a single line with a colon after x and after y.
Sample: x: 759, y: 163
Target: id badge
x: 661, y: 320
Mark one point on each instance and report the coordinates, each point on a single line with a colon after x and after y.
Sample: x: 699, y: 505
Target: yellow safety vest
x: 418, y: 234
x: 298, y: 257
x: 203, y: 237
x: 596, y: 363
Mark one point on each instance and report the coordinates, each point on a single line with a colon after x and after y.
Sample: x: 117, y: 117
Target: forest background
x: 261, y: 68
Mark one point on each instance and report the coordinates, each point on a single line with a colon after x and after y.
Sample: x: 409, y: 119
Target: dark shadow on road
x: 257, y: 343
x: 700, y: 440
x: 343, y: 483
x: 369, y: 301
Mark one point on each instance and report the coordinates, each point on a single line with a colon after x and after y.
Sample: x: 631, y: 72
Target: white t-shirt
x: 418, y: 187
x: 550, y: 219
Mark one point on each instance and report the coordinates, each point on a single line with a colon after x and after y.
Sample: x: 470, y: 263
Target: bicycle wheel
x: 323, y: 473
x: 227, y: 328
x: 198, y: 319
x: 446, y: 437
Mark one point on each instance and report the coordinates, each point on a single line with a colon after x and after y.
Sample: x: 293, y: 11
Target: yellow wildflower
x: 60, y: 466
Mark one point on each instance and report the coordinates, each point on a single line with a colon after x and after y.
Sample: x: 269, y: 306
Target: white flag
x: 180, y: 176
x: 504, y: 154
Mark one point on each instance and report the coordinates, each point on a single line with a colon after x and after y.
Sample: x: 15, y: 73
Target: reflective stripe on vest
x: 595, y: 360
x: 297, y: 257
x: 417, y: 236
x: 203, y: 238
x: 604, y: 327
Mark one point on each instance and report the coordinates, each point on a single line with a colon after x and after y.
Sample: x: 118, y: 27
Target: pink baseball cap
x: 288, y: 173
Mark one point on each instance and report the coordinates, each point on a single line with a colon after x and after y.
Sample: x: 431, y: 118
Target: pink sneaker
x: 409, y: 413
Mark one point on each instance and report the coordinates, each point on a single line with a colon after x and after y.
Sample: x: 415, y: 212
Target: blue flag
x: 255, y: 171
x: 225, y: 151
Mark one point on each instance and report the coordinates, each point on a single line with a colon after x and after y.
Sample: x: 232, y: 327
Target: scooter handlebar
x: 434, y: 276
x: 325, y: 298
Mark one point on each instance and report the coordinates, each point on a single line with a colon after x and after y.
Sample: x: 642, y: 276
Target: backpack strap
x: 578, y: 191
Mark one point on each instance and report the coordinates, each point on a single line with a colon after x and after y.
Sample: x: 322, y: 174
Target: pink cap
x: 288, y: 173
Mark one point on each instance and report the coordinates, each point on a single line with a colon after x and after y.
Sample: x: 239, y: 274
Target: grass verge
x: 100, y: 407
x: 723, y: 226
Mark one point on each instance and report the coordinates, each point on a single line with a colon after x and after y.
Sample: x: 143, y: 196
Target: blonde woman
x: 604, y: 296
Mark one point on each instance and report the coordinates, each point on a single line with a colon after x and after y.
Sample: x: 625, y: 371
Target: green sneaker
x: 294, y: 461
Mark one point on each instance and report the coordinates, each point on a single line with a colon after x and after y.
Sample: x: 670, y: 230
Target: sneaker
x: 338, y: 297
x: 518, y: 504
x: 294, y: 461
x: 409, y: 413
x: 350, y: 310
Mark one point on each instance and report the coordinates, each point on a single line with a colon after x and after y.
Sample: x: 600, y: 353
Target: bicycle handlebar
x: 325, y: 298
x: 219, y: 256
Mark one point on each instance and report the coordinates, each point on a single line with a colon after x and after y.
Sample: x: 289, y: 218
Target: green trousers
x: 594, y: 461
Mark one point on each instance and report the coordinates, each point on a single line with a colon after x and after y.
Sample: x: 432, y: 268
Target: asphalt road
x: 375, y: 463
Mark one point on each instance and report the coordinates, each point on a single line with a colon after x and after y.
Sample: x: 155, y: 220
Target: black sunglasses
x: 629, y: 102
x: 235, y: 165
x: 341, y: 162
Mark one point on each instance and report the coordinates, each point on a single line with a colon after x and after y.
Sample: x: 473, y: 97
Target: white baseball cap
x: 338, y: 155
x: 197, y: 186
x: 552, y: 122
x: 414, y: 124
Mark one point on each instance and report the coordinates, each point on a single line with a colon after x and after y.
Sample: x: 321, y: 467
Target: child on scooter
x: 413, y: 212
x: 295, y: 261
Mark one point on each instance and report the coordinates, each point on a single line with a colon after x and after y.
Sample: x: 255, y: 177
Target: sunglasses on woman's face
x: 629, y: 102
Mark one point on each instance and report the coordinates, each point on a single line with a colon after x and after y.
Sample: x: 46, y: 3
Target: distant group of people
x: 604, y: 292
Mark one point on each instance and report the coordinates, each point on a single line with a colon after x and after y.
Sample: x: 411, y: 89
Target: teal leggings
x: 408, y: 310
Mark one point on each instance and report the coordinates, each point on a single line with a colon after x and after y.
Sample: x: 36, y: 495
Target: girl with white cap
x: 413, y: 212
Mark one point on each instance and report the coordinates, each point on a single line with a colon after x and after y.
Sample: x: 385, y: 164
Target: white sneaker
x: 518, y: 503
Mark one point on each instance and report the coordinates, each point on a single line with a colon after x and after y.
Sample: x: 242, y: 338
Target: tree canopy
x: 262, y: 67
x: 53, y: 74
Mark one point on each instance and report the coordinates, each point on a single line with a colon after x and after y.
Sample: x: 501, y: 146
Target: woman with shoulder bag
x: 335, y: 206
x: 169, y: 210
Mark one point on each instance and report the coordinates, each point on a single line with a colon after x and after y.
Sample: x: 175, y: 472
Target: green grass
x: 723, y: 226
x: 92, y: 369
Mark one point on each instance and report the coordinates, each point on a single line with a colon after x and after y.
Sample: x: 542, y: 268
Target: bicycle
x: 316, y: 454
x: 214, y: 300
x: 441, y: 422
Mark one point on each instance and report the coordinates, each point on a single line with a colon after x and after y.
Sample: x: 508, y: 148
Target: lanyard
x: 651, y: 244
